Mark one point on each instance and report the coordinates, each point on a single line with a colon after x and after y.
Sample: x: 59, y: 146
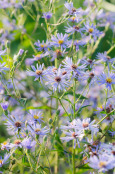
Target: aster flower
x: 47, y: 15
x: 71, y: 67
x: 36, y: 115
x: 40, y: 56
x: 88, y: 76
x: 73, y: 29
x: 92, y: 30
x: 107, y: 79
x: 5, y: 145
x: 37, y: 129
x: 2, y: 52
x: 42, y: 46
x: 78, y: 43
x: 105, y: 58
x: 57, y: 81
x: 60, y: 41
x: 38, y: 72
x: 88, y: 62
x: 3, y: 68
x: 74, y: 19
x: 57, y: 54
x: 16, y: 144
x: 73, y: 135
x: 15, y: 123
x: 3, y: 160
x: 72, y: 10
x: 28, y: 143
x: 86, y: 124
x: 103, y: 163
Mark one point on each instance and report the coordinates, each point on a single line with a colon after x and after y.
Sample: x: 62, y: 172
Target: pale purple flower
x: 28, y: 143
x: 47, y: 15
x: 92, y: 30
x: 72, y: 9
x: 107, y: 79
x: 103, y: 163
x: 38, y: 73
x: 36, y: 115
x: 42, y: 46
x: 73, y: 68
x: 60, y: 41
x: 4, y: 105
x: 15, y: 123
x: 57, y: 81
x: 105, y: 58
x: 73, y: 29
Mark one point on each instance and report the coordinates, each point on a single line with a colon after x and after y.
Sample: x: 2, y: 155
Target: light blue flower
x: 107, y: 79
x: 73, y: 29
x: 42, y: 46
x: 57, y: 80
x: 105, y: 58
x: 72, y: 9
x: 60, y: 41
x: 38, y: 73
x: 102, y: 163
x: 36, y: 115
x: 92, y: 30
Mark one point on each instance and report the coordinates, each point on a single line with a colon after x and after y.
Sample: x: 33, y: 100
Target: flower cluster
x: 60, y: 103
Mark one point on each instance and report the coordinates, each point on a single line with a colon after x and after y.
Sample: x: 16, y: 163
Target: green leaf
x: 40, y: 107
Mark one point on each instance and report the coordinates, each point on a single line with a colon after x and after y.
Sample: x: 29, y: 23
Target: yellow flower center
x: 36, y: 116
x: 101, y: 107
x: 38, y: 72
x: 1, y: 161
x: 37, y: 130
x: 43, y: 45
x: 108, y: 80
x: 60, y: 42
x: 5, y: 142
x: 102, y: 164
x: 90, y: 30
x: 73, y: 18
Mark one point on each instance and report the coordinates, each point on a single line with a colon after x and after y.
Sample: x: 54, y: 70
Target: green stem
x: 106, y: 116
x: 73, y: 150
x: 110, y: 49
x: 29, y: 160
x: 57, y: 124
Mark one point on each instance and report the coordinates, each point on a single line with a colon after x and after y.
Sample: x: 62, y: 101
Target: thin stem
x: 110, y: 49
x: 29, y: 160
x: 105, y: 116
x: 57, y: 124
x: 73, y: 150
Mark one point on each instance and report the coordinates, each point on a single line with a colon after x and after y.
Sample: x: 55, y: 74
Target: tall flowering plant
x: 58, y: 91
